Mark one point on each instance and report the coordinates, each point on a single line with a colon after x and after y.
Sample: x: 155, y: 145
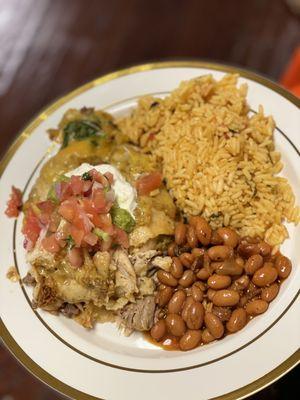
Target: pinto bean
x: 175, y: 324
x: 172, y: 249
x: 202, y: 229
x: 265, y: 275
x: 176, y: 268
x: 243, y: 301
x: 240, y: 261
x: 207, y: 337
x: 214, y: 325
x: 264, y: 249
x: 186, y: 259
x: 215, y: 238
x: 229, y: 236
x: 283, y: 266
x: 230, y: 267
x: 248, y: 249
x: 198, y: 252
x: 187, y: 279
x: 190, y: 339
x: 214, y: 265
x: 166, y: 278
x: 269, y: 293
x: 197, y: 293
x: 191, y: 237
x: 256, y: 307
x: 253, y: 264
x: 201, y: 285
x: 210, y: 294
x: 220, y: 253
x: 226, y: 298
x: 176, y: 302
x: 187, y: 304
x: 180, y: 233
x: 203, y: 274
x: 163, y: 296
x: 240, y: 283
x: 237, y: 320
x: 194, y: 315
x: 158, y: 330
x: 219, y: 281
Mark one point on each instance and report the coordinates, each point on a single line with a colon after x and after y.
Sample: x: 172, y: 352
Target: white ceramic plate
x: 101, y: 363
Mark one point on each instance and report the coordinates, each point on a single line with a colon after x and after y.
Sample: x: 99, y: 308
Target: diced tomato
x: 91, y: 239
x: 47, y: 208
x: 68, y: 209
x: 63, y: 190
x: 51, y: 244
x: 62, y: 243
x: 109, y: 176
x: 88, y: 205
x: 108, y: 206
x: 99, y: 200
x: 31, y: 229
x: 77, y: 235
x: 87, y: 186
x: 81, y: 220
x: 104, y: 222
x: 54, y: 221
x: 121, y: 237
x: 14, y: 203
x: 76, y: 184
x: 147, y: 183
x: 75, y: 257
x: 98, y: 177
x: 96, y: 220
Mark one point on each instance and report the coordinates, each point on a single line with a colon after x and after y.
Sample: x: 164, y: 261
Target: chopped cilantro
x: 80, y: 130
x: 86, y: 176
x: 70, y: 242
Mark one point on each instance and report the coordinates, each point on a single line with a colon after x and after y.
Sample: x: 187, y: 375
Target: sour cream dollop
x: 124, y: 192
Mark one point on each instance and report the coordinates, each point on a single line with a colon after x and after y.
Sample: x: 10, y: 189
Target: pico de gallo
x: 14, y: 204
x: 80, y: 212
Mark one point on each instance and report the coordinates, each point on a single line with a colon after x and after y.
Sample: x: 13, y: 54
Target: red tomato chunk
x: 14, y: 203
x: 78, y: 217
x: 147, y: 183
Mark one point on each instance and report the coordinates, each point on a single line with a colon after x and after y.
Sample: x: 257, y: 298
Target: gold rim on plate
x: 7, y: 338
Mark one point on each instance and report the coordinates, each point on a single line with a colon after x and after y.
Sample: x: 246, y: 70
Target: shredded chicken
x: 146, y: 286
x: 125, y: 280
x: 39, y: 256
x: 162, y: 263
x: 45, y: 296
x: 138, y: 316
x: 141, y: 261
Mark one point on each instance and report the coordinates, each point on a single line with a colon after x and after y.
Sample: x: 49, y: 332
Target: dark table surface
x: 49, y: 47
